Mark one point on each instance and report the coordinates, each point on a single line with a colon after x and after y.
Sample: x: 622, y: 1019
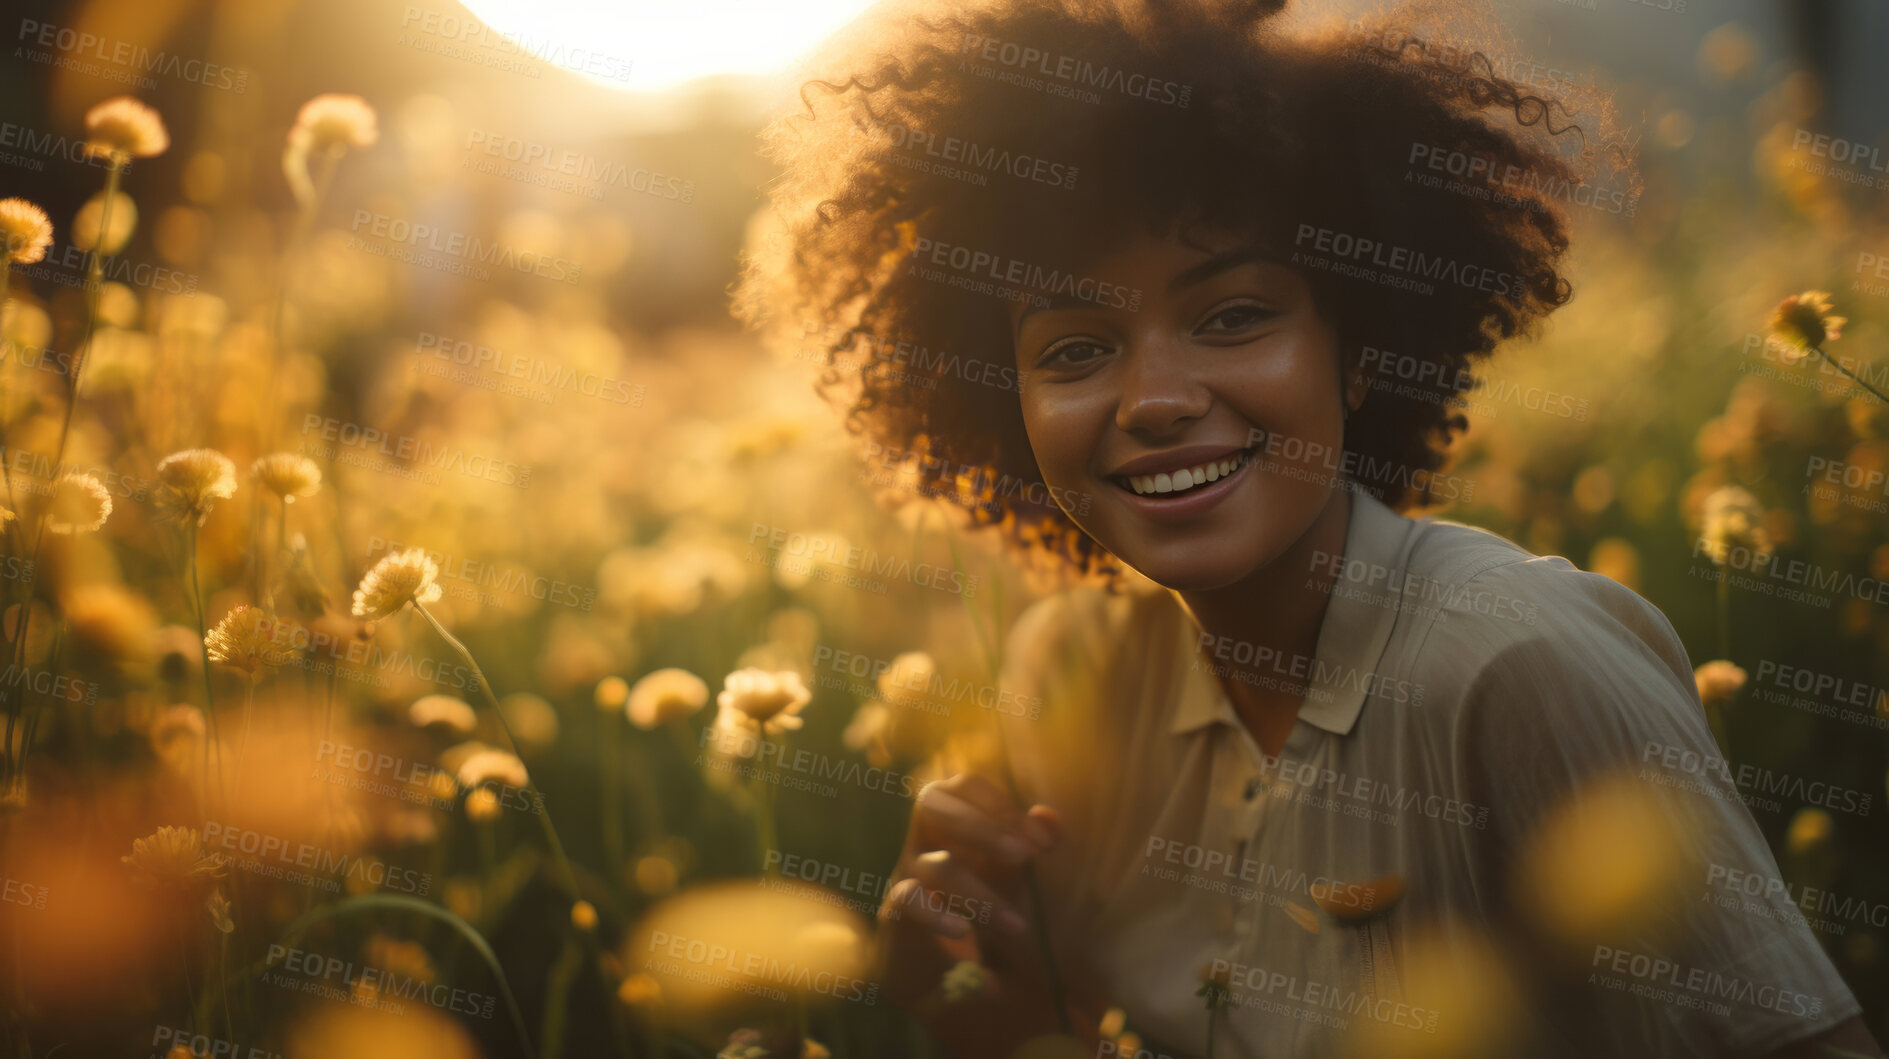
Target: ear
x: 1352, y: 380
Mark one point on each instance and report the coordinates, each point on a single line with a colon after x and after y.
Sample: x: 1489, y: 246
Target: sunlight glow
x: 639, y: 45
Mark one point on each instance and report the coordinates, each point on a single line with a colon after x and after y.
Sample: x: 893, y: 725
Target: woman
x: 1183, y: 302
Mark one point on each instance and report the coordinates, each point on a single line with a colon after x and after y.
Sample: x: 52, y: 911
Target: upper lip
x: 1176, y: 459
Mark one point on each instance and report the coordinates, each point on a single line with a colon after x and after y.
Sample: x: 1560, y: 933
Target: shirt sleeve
x: 1598, y: 694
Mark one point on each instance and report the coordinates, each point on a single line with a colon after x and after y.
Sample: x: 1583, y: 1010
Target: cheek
x: 1062, y: 430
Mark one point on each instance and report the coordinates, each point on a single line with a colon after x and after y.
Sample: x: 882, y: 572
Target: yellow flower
x: 86, y: 224
x: 1732, y: 521
x: 444, y: 710
x: 1359, y: 903
x: 174, y: 856
x: 247, y: 639
x: 329, y: 123
x: 909, y: 672
x: 611, y: 693
x: 756, y: 697
x: 1718, y: 682
x: 584, y: 916
x: 121, y: 128
x: 1803, y: 322
x: 219, y: 908
x: 334, y: 119
x: 80, y: 504
x: 287, y: 475
x: 1810, y: 831
x: 964, y: 980
x: 193, y: 481
x: 488, y: 765
x: 398, y: 579
x: 27, y: 231
x: 665, y: 695
x: 482, y: 806
x: 639, y: 990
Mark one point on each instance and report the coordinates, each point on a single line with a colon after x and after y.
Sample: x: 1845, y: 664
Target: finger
x: 908, y: 907
x: 1043, y: 826
x: 965, y: 894
x: 947, y: 821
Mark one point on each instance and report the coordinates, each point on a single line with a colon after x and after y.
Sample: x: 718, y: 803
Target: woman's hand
x: 959, y: 895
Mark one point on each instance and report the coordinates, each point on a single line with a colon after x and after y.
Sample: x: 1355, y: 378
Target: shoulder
x: 1490, y: 598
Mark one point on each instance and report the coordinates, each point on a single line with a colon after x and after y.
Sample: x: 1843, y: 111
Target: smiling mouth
x: 1185, y: 481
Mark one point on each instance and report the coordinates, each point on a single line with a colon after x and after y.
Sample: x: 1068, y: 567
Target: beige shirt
x: 1462, y: 690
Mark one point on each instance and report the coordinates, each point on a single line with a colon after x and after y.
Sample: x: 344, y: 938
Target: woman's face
x: 1225, y: 373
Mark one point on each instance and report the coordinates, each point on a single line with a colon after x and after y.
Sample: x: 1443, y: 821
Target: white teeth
x: 1186, y: 478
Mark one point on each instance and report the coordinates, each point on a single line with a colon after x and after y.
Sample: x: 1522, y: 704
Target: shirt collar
x: 1351, y: 639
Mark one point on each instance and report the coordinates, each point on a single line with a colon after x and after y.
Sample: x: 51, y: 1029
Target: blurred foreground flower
x: 121, y: 128
x: 27, y: 231
x: 80, y: 504
x: 88, y: 225
x: 1606, y: 862
x: 328, y: 126
x: 772, y: 939
x: 174, y: 856
x: 756, y: 698
x: 287, y: 475
x: 398, y: 579
x: 193, y: 481
x: 664, y: 696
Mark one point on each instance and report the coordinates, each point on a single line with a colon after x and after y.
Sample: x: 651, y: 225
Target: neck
x: 1264, y: 628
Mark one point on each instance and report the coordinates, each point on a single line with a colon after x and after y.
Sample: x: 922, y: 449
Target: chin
x: 1189, y: 570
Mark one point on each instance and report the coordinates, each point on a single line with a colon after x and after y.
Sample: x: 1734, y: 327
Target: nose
x: 1160, y: 392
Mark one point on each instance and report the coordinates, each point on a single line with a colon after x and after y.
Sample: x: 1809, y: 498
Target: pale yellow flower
x: 1803, y: 322
x: 639, y: 990
x: 80, y: 504
x: 611, y: 693
x: 246, y: 638
x: 1810, y: 831
x: 964, y: 980
x: 492, y: 766
x: 1719, y: 681
x: 1732, y: 520
x: 27, y: 231
x: 174, y: 856
x: 193, y: 481
x: 287, y: 475
x: 335, y: 119
x: 584, y: 916
x: 482, y: 806
x: 756, y: 697
x: 909, y: 674
x: 86, y: 224
x: 398, y: 579
x: 665, y: 695
x: 123, y: 128
x: 219, y: 908
x: 449, y: 713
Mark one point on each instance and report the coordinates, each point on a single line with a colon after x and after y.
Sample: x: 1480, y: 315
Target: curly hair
x: 948, y: 158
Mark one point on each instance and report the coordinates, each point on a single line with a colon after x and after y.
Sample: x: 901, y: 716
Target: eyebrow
x: 1191, y: 276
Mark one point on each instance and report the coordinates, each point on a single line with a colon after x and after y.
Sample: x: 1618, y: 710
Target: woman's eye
x: 1073, y: 353
x: 1238, y: 318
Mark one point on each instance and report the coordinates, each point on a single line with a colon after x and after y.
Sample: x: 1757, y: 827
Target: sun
x: 640, y: 45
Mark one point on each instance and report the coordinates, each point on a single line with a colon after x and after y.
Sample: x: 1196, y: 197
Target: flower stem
x: 531, y: 785
x: 209, y: 696
x: 1833, y: 362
